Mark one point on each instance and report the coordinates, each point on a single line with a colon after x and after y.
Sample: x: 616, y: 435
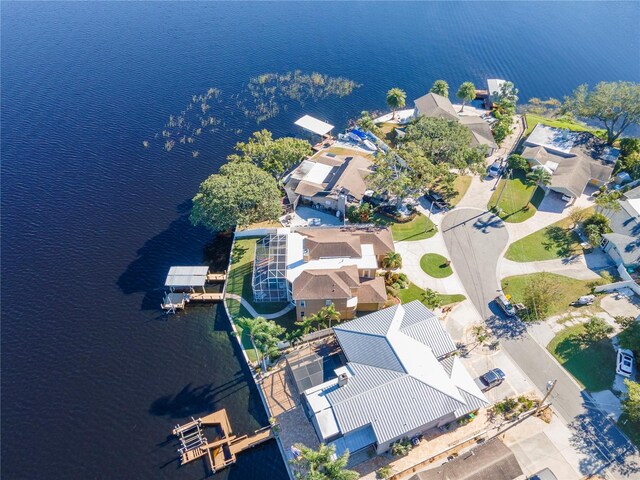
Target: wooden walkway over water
x: 221, y: 452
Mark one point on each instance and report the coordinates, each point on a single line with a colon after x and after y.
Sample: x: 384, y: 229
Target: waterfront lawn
x: 555, y: 241
x: 420, y: 228
x: 513, y: 204
x: 533, y: 120
x: 237, y: 310
x: 413, y: 292
x: 460, y: 185
x: 568, y: 290
x: 239, y: 281
x: 591, y: 364
x: 435, y: 265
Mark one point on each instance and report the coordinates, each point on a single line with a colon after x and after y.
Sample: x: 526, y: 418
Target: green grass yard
x: 413, y: 292
x: 568, y: 290
x: 513, y: 206
x: 555, y: 241
x: 593, y: 365
x: 419, y: 228
x: 533, y: 120
x: 460, y: 185
x: 435, y: 265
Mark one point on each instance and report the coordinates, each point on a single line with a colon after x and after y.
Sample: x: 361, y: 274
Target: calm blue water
x: 93, y: 378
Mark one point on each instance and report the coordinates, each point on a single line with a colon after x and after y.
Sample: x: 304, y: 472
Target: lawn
x: 533, y: 120
x: 555, y: 241
x: 593, y: 365
x: 435, y: 265
x: 239, y: 281
x: 413, y: 292
x: 568, y: 290
x: 419, y: 228
x: 460, y: 185
x: 513, y: 205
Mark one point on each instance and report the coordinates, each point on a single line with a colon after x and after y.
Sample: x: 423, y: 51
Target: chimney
x: 343, y: 378
x: 305, y: 255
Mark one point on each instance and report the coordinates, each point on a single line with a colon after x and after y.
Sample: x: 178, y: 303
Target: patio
x: 303, y: 217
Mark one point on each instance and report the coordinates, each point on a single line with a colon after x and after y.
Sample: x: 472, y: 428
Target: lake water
x: 93, y: 376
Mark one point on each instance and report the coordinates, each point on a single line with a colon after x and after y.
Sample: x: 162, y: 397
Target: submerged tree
x: 274, y: 156
x: 440, y: 87
x: 466, y: 93
x: 240, y: 194
x: 615, y: 104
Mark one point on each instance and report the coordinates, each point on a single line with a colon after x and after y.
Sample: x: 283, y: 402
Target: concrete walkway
x: 254, y: 313
x: 478, y: 194
x: 574, y: 267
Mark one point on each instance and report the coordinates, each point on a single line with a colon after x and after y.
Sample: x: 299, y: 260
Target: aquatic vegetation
x: 264, y: 97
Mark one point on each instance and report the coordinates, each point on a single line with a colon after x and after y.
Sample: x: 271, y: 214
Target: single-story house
x: 623, y: 244
x: 401, y: 379
x: 328, y: 180
x: 436, y: 106
x: 574, y: 159
x: 316, y: 267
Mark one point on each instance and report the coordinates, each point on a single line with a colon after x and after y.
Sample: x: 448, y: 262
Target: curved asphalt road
x: 475, y: 240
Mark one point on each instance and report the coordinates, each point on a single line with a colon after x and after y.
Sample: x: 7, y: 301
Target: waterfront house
x: 574, y: 159
x: 317, y: 267
x: 328, y: 181
x: 401, y: 379
x: 623, y: 243
x: 436, y: 106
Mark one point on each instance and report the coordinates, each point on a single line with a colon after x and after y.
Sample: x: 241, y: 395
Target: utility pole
x: 506, y: 180
x: 550, y: 386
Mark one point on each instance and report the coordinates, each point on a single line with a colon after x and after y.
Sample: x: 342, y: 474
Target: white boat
x: 353, y: 137
x: 369, y: 144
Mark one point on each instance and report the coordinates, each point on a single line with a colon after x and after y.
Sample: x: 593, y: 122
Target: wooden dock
x: 216, y: 277
x: 221, y: 452
x: 206, y: 297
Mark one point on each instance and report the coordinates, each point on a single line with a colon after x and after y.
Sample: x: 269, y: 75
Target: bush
x: 629, y: 338
x: 629, y: 146
x: 599, y: 221
x: 401, y: 447
x: 596, y: 329
x: 384, y: 472
x: 518, y: 162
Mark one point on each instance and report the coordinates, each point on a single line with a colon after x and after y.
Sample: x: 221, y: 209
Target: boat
x: 369, y: 144
x: 354, y: 138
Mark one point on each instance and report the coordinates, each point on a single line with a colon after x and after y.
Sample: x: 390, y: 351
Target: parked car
x: 491, y: 379
x: 436, y: 199
x: 584, y: 300
x: 505, y: 305
x: 495, y: 169
x: 624, y: 365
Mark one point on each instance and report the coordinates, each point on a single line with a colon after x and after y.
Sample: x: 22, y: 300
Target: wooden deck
x: 206, y: 297
x: 217, y: 277
x: 222, y: 452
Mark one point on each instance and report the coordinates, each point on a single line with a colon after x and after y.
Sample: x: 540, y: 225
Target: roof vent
x: 343, y: 378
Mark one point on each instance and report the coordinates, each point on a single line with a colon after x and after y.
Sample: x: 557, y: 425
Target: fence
x: 627, y: 282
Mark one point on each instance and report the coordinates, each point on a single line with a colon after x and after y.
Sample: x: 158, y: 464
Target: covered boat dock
x: 318, y: 127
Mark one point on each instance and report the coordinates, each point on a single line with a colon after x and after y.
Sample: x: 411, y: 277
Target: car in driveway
x: 624, y: 363
x: 491, y: 379
x: 495, y: 169
x: 436, y: 199
x: 505, y: 305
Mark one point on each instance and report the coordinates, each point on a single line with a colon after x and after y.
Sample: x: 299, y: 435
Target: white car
x: 624, y: 365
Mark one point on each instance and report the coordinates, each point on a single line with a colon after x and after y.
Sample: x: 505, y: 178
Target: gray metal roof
x: 398, y: 384
x: 434, y: 105
x: 187, y: 276
x: 627, y: 247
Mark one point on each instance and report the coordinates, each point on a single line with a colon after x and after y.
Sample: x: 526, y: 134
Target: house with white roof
x: 401, y: 378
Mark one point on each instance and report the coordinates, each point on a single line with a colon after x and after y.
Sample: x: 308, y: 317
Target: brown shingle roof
x: 346, y: 241
x: 372, y: 291
x: 326, y: 284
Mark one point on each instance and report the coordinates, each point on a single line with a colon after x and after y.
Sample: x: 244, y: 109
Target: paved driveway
x: 475, y: 240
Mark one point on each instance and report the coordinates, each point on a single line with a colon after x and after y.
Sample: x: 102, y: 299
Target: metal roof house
x: 401, y: 379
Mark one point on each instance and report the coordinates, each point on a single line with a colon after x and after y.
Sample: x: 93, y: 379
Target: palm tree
x: 264, y: 335
x: 608, y: 203
x: 329, y: 314
x: 252, y: 327
x: 466, y: 93
x: 366, y: 122
x: 319, y: 464
x: 396, y: 99
x: 392, y: 260
x: 306, y: 324
x: 440, y: 87
x: 538, y: 177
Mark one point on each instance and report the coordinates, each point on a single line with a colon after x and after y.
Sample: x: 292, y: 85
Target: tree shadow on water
x: 179, y: 244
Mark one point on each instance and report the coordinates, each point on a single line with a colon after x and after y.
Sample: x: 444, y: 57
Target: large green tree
x: 440, y: 87
x: 321, y: 465
x: 240, y: 194
x: 539, y: 295
x: 396, y: 99
x: 466, y: 93
x: 507, y: 97
x: 631, y: 405
x: 390, y: 176
x: 615, y: 104
x: 274, y: 156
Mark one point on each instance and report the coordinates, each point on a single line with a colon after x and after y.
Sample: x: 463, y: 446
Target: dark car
x: 491, y: 379
x: 506, y: 306
x: 436, y: 199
